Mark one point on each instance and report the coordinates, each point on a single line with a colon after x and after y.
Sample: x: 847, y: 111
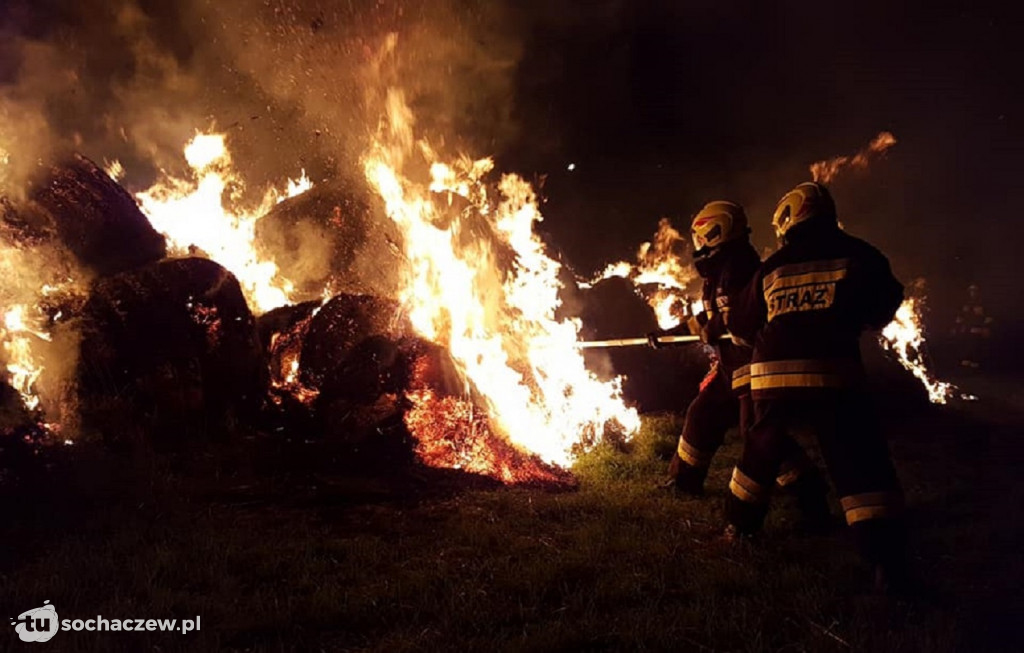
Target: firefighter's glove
x: 740, y: 342
x: 706, y: 336
x: 652, y: 339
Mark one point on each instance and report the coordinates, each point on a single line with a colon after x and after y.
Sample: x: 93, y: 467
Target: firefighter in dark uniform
x: 973, y: 329
x: 725, y: 259
x: 805, y: 310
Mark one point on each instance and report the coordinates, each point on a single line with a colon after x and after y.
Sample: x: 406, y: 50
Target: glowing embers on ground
x: 480, y: 283
x: 452, y: 433
x: 659, y: 275
x: 195, y: 217
x: 904, y: 337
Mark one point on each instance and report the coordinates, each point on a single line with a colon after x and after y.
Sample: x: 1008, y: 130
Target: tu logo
x: 38, y: 624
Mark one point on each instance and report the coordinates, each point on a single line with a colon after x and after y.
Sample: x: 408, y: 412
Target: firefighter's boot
x: 744, y: 519
x: 689, y: 479
x: 811, y: 493
x: 882, y: 543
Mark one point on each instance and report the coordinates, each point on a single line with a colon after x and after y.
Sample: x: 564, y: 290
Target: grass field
x: 282, y: 547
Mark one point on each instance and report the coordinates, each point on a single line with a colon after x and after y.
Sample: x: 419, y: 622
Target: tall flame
x: 826, y: 171
x: 192, y: 215
x: 18, y: 334
x: 31, y: 277
x: 904, y: 337
x: 480, y: 282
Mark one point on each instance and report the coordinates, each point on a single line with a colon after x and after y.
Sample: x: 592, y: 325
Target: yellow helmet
x: 808, y: 201
x: 716, y: 224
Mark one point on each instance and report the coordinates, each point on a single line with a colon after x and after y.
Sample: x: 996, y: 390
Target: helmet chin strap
x: 705, y: 253
x: 705, y: 260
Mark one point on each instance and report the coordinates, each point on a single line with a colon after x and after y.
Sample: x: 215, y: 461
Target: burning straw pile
x: 409, y: 307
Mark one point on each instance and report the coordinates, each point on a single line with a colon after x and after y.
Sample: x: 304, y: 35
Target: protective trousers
x: 714, y: 411
x: 855, y: 454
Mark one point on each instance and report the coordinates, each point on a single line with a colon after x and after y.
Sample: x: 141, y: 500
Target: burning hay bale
x: 452, y: 433
x: 353, y: 372
x: 14, y: 416
x: 333, y: 235
x: 345, y: 369
x: 425, y: 409
x: 451, y: 429
x: 283, y: 321
x: 429, y: 366
x: 39, y: 292
x: 168, y: 350
x: 612, y: 308
x: 20, y: 226
x: 381, y: 374
x: 349, y: 341
x: 96, y: 219
x: 351, y: 356
x: 281, y: 333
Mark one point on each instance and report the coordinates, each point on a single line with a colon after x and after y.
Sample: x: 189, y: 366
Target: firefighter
x: 804, y: 311
x: 725, y: 259
x: 973, y: 329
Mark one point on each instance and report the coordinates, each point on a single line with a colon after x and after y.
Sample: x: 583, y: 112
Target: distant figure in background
x: 972, y: 330
x: 726, y: 261
x: 805, y: 310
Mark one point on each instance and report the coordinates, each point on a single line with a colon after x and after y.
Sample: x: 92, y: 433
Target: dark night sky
x: 666, y: 105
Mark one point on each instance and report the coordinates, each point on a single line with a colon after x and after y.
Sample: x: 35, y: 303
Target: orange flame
x: 192, y: 214
x: 452, y: 433
x: 18, y: 334
x: 904, y: 337
x: 480, y: 283
x: 114, y: 169
x: 286, y: 347
x: 29, y: 277
x: 826, y: 171
x: 659, y: 262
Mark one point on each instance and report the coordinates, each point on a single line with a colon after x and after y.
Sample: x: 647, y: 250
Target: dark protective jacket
x: 972, y: 321
x: 726, y: 273
x: 807, y: 306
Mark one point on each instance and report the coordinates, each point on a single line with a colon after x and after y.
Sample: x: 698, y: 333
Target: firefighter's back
x: 821, y: 290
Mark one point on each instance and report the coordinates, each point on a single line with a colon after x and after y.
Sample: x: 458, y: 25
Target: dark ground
x: 295, y: 547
